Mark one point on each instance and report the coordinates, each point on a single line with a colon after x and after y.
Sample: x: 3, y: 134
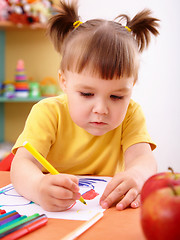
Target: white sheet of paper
x: 91, y: 189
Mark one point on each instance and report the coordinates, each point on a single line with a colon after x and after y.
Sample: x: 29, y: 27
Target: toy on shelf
x: 8, y: 89
x: 27, y: 12
x: 4, y: 8
x: 1, y: 88
x: 34, y: 89
x: 21, y: 84
x: 49, y: 87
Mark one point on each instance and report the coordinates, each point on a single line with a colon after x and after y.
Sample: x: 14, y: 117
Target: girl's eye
x: 86, y: 94
x: 114, y: 97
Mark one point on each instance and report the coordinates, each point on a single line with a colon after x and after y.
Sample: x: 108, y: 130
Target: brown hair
x: 106, y: 48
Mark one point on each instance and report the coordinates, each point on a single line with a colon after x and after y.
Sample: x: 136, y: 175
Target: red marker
x: 26, y: 229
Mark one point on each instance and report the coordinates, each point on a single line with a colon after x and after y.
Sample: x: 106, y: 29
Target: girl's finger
x: 137, y: 202
x: 63, y: 204
x: 58, y: 205
x: 114, y: 196
x: 111, y: 186
x: 67, y: 181
x: 130, y: 196
x: 63, y: 193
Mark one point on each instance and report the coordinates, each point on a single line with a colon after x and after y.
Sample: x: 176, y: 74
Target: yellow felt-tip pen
x: 44, y: 162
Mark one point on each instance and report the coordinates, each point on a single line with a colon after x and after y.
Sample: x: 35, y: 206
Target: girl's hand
x: 123, y: 190
x: 58, y: 192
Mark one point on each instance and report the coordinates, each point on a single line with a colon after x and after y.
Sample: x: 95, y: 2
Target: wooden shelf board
x: 5, y: 25
x: 8, y: 100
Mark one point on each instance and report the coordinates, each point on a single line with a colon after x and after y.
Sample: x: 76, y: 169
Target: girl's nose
x: 100, y: 107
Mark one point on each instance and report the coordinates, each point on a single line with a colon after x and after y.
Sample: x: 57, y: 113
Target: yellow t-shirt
x: 71, y: 149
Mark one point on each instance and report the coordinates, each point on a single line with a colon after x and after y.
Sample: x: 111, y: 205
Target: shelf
x: 8, y: 100
x: 5, y: 25
x: 5, y: 103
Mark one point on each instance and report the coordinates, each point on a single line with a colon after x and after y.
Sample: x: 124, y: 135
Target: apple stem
x: 170, y: 169
x: 173, y: 189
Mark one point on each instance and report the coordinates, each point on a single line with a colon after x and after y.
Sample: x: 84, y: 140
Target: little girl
x: 95, y: 127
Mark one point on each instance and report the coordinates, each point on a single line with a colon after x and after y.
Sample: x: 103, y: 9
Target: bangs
x: 104, y: 53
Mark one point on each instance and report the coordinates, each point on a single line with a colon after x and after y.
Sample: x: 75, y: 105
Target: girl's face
x: 96, y: 105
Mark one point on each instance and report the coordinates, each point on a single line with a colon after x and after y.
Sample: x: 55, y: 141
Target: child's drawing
x: 91, y: 190
x: 8, y: 193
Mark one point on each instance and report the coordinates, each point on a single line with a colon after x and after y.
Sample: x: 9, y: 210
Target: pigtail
x: 62, y: 23
x: 142, y: 26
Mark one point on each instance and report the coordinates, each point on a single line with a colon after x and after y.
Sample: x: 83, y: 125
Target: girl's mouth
x: 98, y: 123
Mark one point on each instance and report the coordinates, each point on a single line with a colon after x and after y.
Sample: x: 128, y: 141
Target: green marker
x: 17, y: 223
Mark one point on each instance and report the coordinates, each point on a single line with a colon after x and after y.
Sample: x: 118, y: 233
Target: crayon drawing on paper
x: 91, y: 189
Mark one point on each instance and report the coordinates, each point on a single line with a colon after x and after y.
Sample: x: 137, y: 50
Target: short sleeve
x: 40, y: 128
x: 134, y: 129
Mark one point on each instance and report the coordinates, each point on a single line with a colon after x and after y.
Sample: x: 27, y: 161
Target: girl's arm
x: 52, y: 192
x: 125, y: 187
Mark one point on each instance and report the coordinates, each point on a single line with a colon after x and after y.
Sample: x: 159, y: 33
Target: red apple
x: 160, y: 180
x: 160, y: 214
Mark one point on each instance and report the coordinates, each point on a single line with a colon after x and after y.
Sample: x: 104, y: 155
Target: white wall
x: 158, y: 86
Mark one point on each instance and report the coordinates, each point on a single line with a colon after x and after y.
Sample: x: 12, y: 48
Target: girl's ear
x: 62, y: 81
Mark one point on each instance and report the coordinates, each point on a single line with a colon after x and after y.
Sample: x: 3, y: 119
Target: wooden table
x: 123, y: 225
